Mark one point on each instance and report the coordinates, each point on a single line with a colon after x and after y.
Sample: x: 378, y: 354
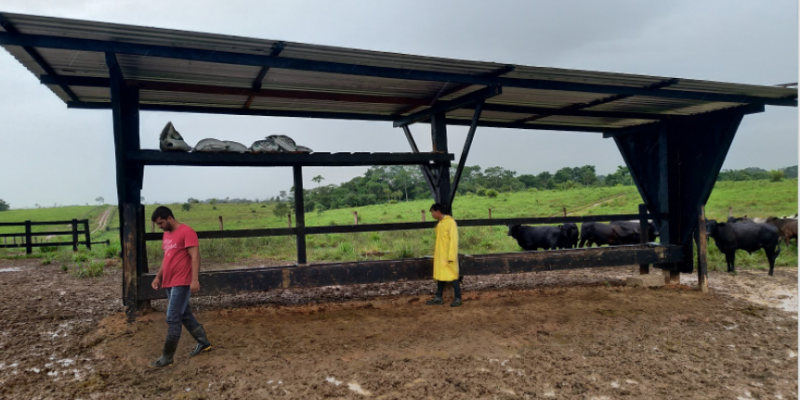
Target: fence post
x: 423, y: 215
x: 490, y: 213
x: 290, y: 219
x: 564, y: 209
x: 152, y: 226
x: 702, y: 260
x: 355, y: 217
x: 28, y: 241
x: 74, y: 234
x: 644, y: 228
x: 88, y: 234
x: 220, y: 222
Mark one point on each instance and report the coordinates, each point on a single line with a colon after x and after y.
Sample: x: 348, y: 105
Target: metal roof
x: 200, y: 72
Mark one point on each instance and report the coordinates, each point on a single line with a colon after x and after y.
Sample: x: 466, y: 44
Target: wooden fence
x: 30, y: 239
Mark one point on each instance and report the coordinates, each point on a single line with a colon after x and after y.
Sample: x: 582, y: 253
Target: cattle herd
x: 735, y: 234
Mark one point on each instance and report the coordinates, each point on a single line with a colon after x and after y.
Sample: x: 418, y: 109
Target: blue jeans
x: 178, y: 312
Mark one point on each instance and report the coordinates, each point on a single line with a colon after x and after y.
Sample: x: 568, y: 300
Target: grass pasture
x: 752, y: 198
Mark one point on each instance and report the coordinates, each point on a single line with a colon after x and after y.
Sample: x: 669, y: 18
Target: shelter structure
x: 673, y: 133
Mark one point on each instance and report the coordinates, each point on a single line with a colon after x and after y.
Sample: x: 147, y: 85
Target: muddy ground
x: 563, y: 335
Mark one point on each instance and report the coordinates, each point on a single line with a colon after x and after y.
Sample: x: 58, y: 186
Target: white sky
x: 49, y: 154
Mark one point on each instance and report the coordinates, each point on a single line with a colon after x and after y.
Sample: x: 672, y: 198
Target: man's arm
x: 194, y: 253
x: 157, y: 281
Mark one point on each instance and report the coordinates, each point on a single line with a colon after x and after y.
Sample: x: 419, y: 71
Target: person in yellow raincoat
x: 445, y: 256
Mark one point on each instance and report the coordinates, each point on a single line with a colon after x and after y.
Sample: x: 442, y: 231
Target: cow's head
x: 711, y: 227
x: 513, y: 229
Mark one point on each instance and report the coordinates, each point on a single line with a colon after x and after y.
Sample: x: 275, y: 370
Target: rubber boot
x: 167, y: 355
x: 435, y: 301
x: 456, y: 303
x: 199, y: 334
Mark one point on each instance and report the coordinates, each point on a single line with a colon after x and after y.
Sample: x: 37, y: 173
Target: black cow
x: 600, y: 234
x: 632, y: 233
x: 745, y: 236
x: 535, y: 237
x: 569, y: 236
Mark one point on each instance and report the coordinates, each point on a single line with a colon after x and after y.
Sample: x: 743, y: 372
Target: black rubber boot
x: 167, y: 355
x: 456, y: 303
x: 199, y: 334
x: 435, y: 301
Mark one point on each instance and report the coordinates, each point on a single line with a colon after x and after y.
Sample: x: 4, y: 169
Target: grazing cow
x: 535, y: 237
x: 787, y: 228
x: 748, y: 237
x: 636, y: 229
x: 600, y: 234
x: 570, y: 236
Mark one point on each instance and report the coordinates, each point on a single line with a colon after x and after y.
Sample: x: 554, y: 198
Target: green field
x: 752, y: 198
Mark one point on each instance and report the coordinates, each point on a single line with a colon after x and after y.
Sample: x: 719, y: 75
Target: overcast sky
x: 49, y: 154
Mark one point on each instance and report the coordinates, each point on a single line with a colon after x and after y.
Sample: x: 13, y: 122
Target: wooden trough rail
x: 314, y: 275
x: 28, y: 236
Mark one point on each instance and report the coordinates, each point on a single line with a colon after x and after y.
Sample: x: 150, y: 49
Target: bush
x: 80, y: 257
x: 91, y: 269
x: 392, y: 201
x: 186, y: 207
x: 48, y: 259
x: 775, y: 175
x: 481, y: 192
x: 491, y: 193
x: 111, y: 251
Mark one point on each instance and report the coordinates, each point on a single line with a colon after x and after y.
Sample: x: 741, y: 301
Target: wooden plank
x: 154, y: 157
x: 74, y: 235
x: 322, y: 230
x: 314, y: 275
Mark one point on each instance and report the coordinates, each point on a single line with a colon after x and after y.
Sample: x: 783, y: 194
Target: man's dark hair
x: 438, y: 207
x: 162, y: 212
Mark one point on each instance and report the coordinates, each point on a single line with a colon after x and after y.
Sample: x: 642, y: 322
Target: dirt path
x: 563, y: 335
x: 103, y: 221
x: 598, y: 204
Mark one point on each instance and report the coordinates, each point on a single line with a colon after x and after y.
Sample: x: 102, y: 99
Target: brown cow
x: 787, y: 228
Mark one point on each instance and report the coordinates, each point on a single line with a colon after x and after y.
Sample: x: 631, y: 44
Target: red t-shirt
x: 177, y: 266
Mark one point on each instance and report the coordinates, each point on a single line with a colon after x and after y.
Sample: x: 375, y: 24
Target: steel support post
x: 130, y: 175
x: 439, y: 139
x: 300, y: 216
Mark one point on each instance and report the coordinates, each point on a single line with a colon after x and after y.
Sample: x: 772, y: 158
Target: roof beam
x: 743, y: 109
x: 277, y: 48
x: 445, y: 106
x: 322, y: 115
x: 500, y: 72
x: 574, y: 113
x: 355, y: 98
x: 605, y: 100
x: 222, y: 90
x: 225, y: 57
x: 8, y: 27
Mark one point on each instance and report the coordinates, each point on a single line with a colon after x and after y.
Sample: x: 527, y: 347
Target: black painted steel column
x: 130, y: 174
x: 439, y: 139
x: 300, y: 214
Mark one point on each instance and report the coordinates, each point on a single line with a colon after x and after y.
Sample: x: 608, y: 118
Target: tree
x: 192, y: 200
x: 100, y: 200
x: 280, y: 209
x: 186, y: 206
x: 4, y: 206
x: 37, y: 205
x: 317, y: 179
x: 282, y: 195
x: 775, y: 175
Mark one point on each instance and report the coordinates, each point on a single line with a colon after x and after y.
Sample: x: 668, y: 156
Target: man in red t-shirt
x: 179, y: 275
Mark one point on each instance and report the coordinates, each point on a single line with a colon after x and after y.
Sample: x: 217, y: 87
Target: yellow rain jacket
x: 445, y: 257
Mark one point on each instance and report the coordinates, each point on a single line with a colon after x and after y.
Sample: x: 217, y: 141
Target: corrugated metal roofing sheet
x: 72, y: 63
